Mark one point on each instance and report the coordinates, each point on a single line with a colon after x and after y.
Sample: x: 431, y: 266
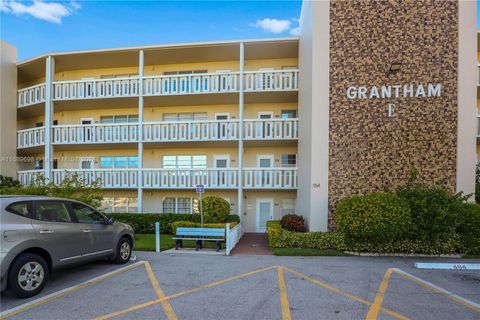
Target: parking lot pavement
x: 189, y: 286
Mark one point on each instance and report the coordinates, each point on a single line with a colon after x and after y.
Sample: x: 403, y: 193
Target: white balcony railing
x: 95, y: 133
x: 270, y: 129
x: 190, y: 131
x: 31, y: 137
x: 271, y: 80
x: 153, y: 178
x: 208, y: 130
x: 31, y: 95
x: 266, y: 178
x: 191, y: 84
x: 95, y: 88
x: 27, y: 176
x: 109, y: 178
x: 189, y: 178
x: 162, y: 85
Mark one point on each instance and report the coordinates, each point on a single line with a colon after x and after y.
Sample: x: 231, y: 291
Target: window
x: 182, y: 162
x: 86, y: 214
x: 185, y: 116
x: 184, y: 205
x: 179, y: 205
x: 288, y: 114
x: 119, y: 204
x: 39, y: 124
x: 119, y: 118
x: 171, y: 73
x: 20, y: 208
x: 169, y: 205
x: 53, y: 211
x: 288, y: 206
x: 119, y: 162
x: 289, y: 160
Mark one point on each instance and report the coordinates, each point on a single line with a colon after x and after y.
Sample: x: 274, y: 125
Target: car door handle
x: 87, y: 230
x: 46, y: 231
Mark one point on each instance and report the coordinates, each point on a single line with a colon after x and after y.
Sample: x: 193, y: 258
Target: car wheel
x: 124, y: 251
x: 28, y: 275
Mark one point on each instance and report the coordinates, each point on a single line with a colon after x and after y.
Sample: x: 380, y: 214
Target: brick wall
x: 368, y: 150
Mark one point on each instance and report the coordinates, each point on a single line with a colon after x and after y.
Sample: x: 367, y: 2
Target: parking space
x: 189, y: 286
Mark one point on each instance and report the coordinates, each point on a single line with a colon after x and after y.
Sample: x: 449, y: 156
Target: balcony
x: 31, y: 95
x: 270, y: 178
x: 180, y: 131
x: 175, y: 131
x: 33, y: 137
x: 162, y: 85
x: 95, y: 133
x: 153, y: 178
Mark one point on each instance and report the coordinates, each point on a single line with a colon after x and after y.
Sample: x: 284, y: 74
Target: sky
x: 42, y: 26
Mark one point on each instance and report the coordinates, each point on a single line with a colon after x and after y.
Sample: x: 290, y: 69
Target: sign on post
x: 200, y: 188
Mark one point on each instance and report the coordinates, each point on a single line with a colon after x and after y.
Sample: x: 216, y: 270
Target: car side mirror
x: 109, y: 220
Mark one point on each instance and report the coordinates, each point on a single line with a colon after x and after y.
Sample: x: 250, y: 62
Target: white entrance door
x: 222, y: 128
x: 222, y: 162
x: 87, y: 131
x: 265, y: 128
x: 264, y: 177
x: 264, y: 213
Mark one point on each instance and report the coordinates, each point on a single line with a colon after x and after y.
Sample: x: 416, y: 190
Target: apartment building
x: 367, y: 92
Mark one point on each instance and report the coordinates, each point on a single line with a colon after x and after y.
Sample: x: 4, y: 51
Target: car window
x: 86, y: 214
x: 19, y: 208
x: 55, y: 211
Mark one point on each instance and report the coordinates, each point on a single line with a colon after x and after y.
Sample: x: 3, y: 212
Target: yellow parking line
x: 167, y: 307
x: 440, y: 291
x: 345, y: 294
x: 283, y: 295
x: 68, y: 290
x: 377, y: 303
x: 176, y: 295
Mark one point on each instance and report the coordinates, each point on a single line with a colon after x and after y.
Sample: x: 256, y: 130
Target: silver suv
x: 39, y: 234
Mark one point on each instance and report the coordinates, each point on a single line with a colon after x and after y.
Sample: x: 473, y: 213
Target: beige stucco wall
x: 313, y: 110
x: 250, y: 205
x: 8, y: 114
x: 467, y: 94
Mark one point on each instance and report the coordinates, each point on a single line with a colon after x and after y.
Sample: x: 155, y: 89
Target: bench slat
x: 204, y: 239
x: 207, y: 232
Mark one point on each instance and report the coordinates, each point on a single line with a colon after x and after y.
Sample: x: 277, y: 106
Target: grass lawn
x: 146, y: 242
x: 306, y: 252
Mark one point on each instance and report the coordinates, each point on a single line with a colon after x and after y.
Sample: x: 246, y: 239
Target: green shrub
x: 190, y: 224
x: 281, y: 238
x: 233, y: 218
x: 215, y: 209
x: 477, y: 184
x: 468, y: 228
x: 434, y: 210
x: 375, y: 217
x: 72, y: 187
x: 293, y: 222
x: 145, y: 222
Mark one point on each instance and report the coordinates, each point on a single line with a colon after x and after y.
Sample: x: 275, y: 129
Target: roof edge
x: 159, y: 46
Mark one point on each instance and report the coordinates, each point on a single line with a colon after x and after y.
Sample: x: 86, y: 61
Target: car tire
x: 28, y: 275
x: 124, y: 251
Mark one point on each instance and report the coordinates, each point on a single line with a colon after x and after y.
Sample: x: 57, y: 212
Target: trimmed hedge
x: 281, y: 238
x: 215, y: 209
x: 145, y: 222
x: 189, y: 224
x: 375, y: 217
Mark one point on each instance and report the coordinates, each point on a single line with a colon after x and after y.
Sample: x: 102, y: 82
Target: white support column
x: 48, y: 160
x: 240, y: 132
x: 140, y: 132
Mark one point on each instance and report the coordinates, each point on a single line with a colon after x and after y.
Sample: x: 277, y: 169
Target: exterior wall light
x: 395, y: 67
